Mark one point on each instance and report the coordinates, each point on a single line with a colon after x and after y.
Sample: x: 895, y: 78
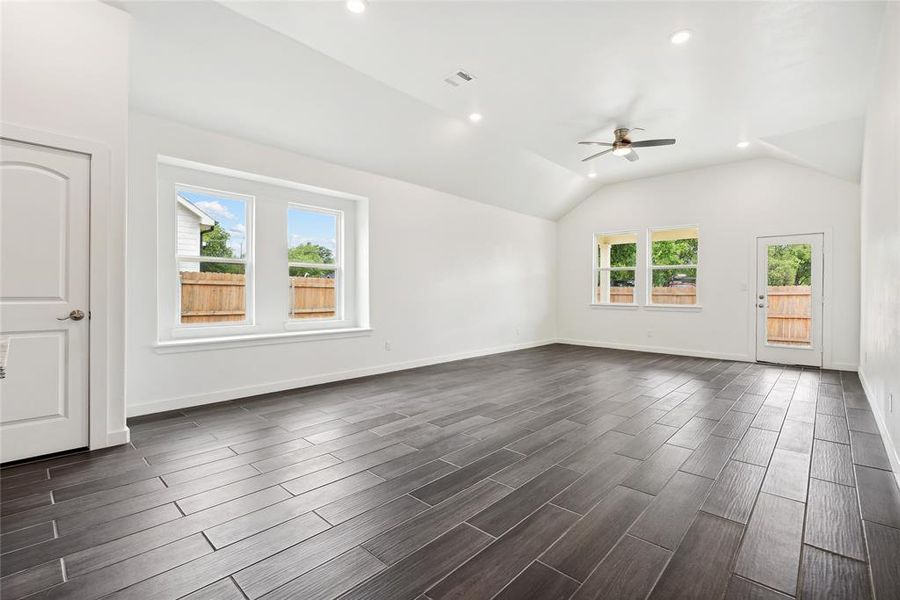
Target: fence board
x: 313, y: 297
x: 212, y: 297
x: 789, y: 315
x: 221, y: 297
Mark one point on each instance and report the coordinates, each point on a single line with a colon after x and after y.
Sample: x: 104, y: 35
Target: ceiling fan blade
x: 597, y: 143
x: 596, y: 155
x: 632, y: 156
x: 649, y: 143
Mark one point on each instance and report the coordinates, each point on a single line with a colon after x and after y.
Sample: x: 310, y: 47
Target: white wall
x: 449, y: 278
x: 65, y: 72
x: 880, y: 281
x: 732, y: 204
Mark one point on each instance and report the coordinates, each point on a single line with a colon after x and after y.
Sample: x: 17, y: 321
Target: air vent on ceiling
x: 458, y: 78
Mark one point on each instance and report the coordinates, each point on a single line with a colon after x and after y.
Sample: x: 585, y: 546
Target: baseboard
x: 840, y: 366
x: 289, y: 384
x: 889, y: 445
x: 658, y: 350
x: 117, y: 438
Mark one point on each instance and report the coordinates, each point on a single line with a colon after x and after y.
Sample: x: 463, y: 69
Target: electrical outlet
x: 890, y: 403
x: 649, y: 333
x: 387, y: 346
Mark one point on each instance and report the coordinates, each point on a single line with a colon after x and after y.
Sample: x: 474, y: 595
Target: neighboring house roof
x: 206, y: 221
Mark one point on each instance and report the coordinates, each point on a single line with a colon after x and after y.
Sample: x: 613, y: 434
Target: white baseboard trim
x: 840, y: 366
x: 889, y: 445
x: 289, y: 384
x: 659, y: 350
x: 117, y: 438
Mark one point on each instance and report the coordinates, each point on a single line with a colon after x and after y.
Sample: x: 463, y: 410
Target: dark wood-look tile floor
x: 554, y: 473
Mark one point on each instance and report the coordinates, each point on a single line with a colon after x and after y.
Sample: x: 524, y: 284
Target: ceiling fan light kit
x: 624, y: 147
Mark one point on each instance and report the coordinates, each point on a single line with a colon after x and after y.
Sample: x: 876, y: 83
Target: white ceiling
x: 367, y: 91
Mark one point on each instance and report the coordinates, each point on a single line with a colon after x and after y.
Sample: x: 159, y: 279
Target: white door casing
x: 809, y: 354
x: 44, y: 276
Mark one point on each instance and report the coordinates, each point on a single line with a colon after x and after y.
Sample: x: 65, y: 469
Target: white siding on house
x: 188, y: 237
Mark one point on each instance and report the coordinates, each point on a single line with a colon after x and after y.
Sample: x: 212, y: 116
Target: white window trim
x: 205, y: 329
x: 257, y: 339
x: 271, y: 327
x: 648, y: 294
x: 597, y: 269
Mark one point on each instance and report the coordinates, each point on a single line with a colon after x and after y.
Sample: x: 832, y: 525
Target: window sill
x: 675, y: 307
x: 617, y: 305
x: 257, y: 339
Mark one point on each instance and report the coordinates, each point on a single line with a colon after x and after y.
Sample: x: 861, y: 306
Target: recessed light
x: 743, y: 144
x: 681, y: 37
x: 356, y: 6
x: 475, y: 117
x: 592, y: 175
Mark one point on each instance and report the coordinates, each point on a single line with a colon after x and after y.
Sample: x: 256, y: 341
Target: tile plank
x: 700, y: 566
x: 770, y: 552
x: 584, y: 546
x: 492, y: 568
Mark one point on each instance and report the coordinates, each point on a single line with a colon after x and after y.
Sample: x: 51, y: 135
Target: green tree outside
x: 311, y: 253
x: 215, y: 243
x: 674, y: 252
x: 790, y: 264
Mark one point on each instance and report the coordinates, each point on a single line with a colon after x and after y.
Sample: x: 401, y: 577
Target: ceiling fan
x: 623, y: 146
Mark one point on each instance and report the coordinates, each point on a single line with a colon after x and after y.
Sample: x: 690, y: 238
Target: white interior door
x: 44, y: 277
x: 789, y: 299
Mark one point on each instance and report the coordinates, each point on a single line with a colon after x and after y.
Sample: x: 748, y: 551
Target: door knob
x: 761, y: 297
x: 75, y: 315
x: 760, y: 305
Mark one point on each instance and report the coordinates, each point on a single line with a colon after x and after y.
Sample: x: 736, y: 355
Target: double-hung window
x: 214, y: 256
x: 674, y: 256
x: 615, y: 264
x: 315, y: 256
x: 244, y: 255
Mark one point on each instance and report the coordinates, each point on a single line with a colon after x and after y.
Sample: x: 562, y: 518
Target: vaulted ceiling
x: 367, y: 90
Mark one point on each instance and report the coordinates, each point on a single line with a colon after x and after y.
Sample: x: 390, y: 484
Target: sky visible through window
x: 230, y: 214
x: 312, y: 227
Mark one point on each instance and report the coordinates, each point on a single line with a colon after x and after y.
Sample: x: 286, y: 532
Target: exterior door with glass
x: 789, y: 299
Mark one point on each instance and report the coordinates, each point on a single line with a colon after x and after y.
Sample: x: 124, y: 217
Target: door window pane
x: 789, y: 295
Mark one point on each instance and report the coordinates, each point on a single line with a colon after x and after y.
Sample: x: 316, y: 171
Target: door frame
x: 781, y: 353
x: 827, y: 234
x: 104, y: 343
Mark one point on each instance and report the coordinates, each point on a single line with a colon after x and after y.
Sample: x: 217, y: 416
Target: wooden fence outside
x: 313, y: 297
x: 659, y: 295
x: 789, y: 315
x: 788, y: 319
x: 221, y: 297
x: 212, y: 297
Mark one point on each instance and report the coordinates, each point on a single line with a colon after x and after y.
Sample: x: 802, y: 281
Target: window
x: 674, y: 255
x: 265, y: 260
x: 614, y: 268
x: 213, y: 248
x: 314, y: 259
